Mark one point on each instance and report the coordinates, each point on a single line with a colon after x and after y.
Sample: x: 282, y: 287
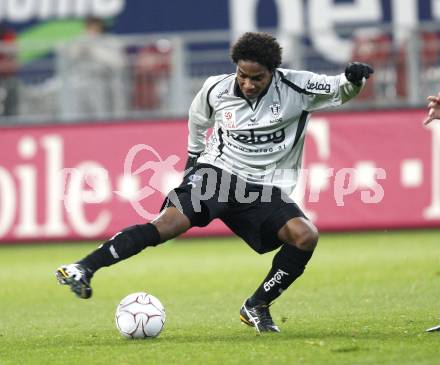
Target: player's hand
x: 355, y: 72
x: 192, y: 160
x: 434, y: 109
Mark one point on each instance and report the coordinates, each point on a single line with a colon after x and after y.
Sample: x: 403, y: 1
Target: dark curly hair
x: 262, y: 48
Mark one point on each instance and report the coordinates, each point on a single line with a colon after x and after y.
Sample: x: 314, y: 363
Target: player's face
x: 252, y: 78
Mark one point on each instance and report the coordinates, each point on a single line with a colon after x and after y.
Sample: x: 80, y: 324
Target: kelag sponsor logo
x: 276, y: 279
x: 254, y: 139
x: 318, y: 86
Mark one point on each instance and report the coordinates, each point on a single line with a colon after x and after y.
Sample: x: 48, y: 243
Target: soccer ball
x: 140, y: 315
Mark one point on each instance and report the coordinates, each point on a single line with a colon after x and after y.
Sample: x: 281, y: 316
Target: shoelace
x: 263, y: 314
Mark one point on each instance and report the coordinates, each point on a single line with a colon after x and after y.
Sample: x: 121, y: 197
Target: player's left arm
x: 356, y: 74
x: 325, y: 91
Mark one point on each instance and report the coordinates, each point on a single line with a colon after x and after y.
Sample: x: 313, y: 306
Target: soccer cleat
x: 433, y: 329
x: 77, y: 277
x: 258, y: 317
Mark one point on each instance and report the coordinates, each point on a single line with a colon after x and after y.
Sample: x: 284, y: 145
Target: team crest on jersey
x: 229, y: 118
x: 275, y: 109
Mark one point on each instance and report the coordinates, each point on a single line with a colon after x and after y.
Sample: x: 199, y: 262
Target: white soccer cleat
x: 433, y: 329
x: 77, y: 277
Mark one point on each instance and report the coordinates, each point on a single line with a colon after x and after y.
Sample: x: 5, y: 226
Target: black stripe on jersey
x: 292, y: 85
x: 301, y: 125
x: 194, y: 153
x: 221, y: 143
x: 209, y: 93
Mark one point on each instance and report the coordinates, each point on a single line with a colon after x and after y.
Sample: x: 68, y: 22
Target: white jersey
x: 261, y: 141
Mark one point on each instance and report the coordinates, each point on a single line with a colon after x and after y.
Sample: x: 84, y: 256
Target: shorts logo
x: 275, y: 109
x: 318, y: 86
x: 193, y: 179
x: 276, y: 279
x: 229, y: 118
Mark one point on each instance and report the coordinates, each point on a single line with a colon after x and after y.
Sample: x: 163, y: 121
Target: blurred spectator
x: 8, y: 73
x: 428, y: 52
x: 375, y: 48
x: 390, y: 60
x: 152, y: 68
x: 95, y: 69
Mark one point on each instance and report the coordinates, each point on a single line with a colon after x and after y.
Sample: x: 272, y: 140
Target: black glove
x: 192, y: 160
x: 356, y: 71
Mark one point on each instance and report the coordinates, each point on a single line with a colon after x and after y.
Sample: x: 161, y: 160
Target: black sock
x: 287, y: 265
x: 124, y: 244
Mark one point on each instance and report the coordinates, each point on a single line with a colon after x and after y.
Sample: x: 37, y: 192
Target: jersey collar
x: 239, y: 93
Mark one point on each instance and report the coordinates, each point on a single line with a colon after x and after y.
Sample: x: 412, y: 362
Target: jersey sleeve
x: 322, y: 91
x: 200, y: 118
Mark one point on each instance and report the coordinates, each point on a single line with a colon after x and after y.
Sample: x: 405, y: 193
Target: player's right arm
x: 434, y: 109
x: 201, y: 118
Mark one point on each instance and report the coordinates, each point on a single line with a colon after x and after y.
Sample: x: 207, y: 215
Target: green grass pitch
x: 365, y: 298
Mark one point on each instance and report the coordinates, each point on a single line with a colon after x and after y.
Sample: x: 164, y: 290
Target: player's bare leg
x: 130, y: 241
x: 300, y: 237
x: 300, y: 233
x: 171, y: 223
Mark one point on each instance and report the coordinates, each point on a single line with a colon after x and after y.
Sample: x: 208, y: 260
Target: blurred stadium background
x: 74, y: 66
x: 111, y: 82
x: 147, y: 66
x: 93, y: 130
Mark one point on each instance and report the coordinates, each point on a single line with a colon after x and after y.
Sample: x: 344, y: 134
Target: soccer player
x: 433, y: 113
x: 244, y: 173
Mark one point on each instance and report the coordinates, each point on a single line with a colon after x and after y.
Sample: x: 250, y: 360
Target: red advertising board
x: 378, y: 169
x: 362, y: 170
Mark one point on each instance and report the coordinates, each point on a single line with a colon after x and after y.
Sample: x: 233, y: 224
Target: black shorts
x: 253, y: 212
